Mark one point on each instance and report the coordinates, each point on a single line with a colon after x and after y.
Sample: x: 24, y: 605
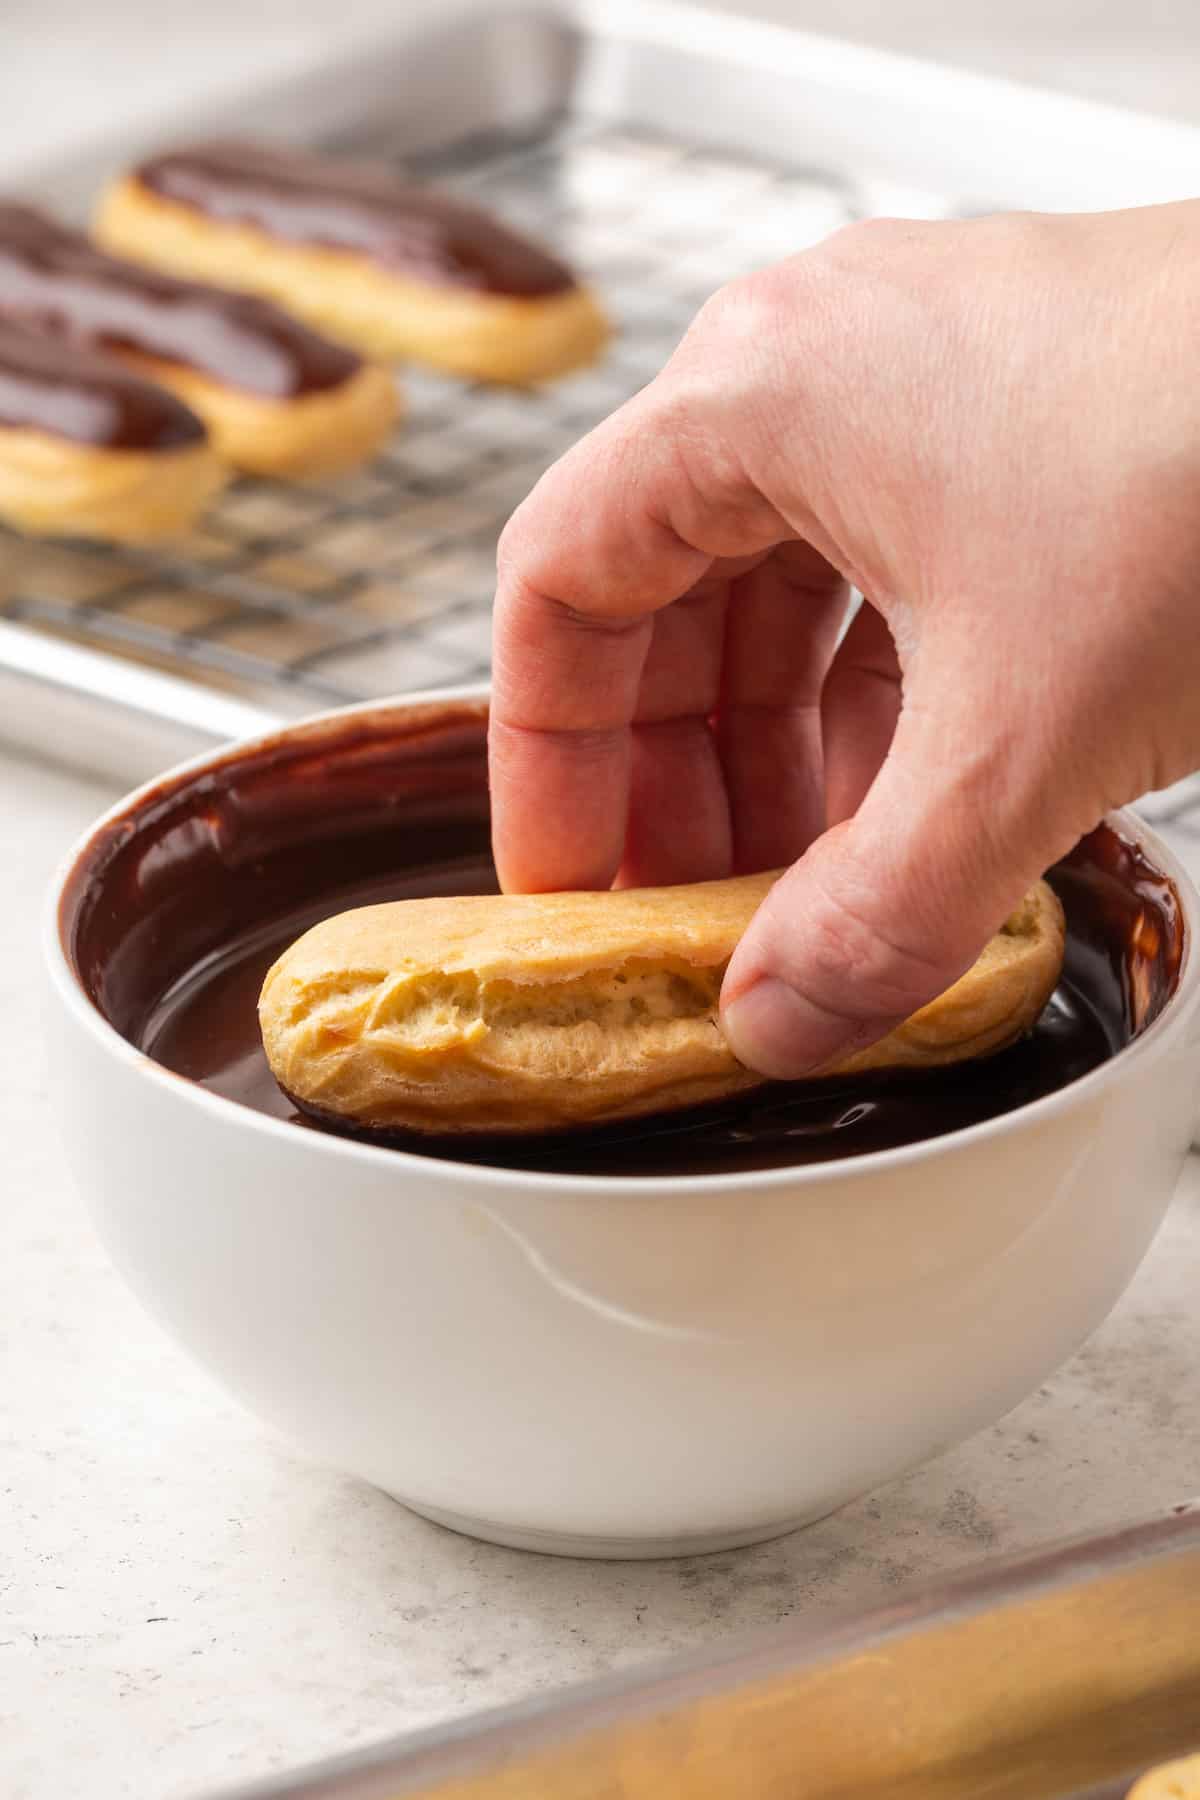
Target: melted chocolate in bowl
x: 178, y: 909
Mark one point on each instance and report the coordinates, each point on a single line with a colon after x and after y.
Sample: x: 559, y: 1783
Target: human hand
x: 993, y: 430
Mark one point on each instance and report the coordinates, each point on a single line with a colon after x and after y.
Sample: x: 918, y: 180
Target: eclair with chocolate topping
x: 277, y: 398
x: 89, y: 449
x: 398, y: 271
x: 538, y: 1012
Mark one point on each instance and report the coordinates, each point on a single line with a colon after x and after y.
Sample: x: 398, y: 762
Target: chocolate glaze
x: 175, y: 914
x: 55, y: 281
x: 46, y: 385
x: 364, y: 207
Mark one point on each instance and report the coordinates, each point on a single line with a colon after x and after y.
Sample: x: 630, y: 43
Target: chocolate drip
x: 50, y: 386
x: 363, y: 207
x: 55, y: 281
x: 176, y: 917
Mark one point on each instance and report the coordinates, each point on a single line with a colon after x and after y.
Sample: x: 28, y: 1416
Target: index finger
x: 625, y: 524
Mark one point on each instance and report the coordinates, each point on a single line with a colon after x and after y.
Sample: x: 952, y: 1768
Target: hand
x: 993, y: 430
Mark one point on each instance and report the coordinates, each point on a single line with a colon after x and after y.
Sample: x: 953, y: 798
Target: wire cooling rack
x: 299, y: 597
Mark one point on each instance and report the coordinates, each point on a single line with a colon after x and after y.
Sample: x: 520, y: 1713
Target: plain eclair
x: 532, y: 1013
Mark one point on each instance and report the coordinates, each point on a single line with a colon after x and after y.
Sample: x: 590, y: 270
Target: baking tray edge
x: 1073, y: 1669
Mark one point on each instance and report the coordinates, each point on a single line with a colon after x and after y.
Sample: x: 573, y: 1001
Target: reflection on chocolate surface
x: 176, y: 915
x: 89, y: 399
x: 363, y: 207
x: 55, y: 281
x: 1126, y: 925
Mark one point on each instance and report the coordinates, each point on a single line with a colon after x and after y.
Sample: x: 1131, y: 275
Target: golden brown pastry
x: 1172, y: 1781
x: 88, y: 449
x: 521, y: 1013
x: 400, y: 272
x: 277, y: 398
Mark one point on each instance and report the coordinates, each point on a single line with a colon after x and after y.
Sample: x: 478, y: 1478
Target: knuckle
x: 852, y: 255
x: 866, y: 241
x: 715, y: 505
x: 745, y: 312
x: 511, y: 549
x: 507, y: 548
x: 855, y: 268
x: 881, y: 231
x: 719, y: 400
x: 707, y: 430
x: 854, y: 966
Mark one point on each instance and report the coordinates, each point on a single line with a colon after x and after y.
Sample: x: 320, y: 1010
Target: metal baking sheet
x: 1062, y: 1676
x: 292, y: 598
x: 663, y: 150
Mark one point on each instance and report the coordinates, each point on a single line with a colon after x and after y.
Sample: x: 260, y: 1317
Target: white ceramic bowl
x: 615, y: 1368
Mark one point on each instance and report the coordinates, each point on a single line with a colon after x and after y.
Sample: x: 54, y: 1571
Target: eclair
x: 277, y: 398
x: 89, y: 449
x: 398, y: 271
x: 532, y: 1013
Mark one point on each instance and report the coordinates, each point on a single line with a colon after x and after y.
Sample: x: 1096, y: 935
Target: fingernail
x: 777, y: 1031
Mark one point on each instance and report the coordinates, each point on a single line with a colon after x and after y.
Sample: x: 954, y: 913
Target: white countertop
x: 185, y: 1603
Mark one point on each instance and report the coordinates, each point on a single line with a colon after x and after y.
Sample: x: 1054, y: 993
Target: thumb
x: 887, y: 910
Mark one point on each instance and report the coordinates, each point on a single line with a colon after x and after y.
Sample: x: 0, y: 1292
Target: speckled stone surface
x: 184, y: 1602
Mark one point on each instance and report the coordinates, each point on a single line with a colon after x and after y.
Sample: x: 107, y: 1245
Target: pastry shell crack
x: 529, y: 1013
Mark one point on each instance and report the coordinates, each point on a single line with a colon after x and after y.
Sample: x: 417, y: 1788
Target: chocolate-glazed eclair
x: 277, y: 398
x: 537, y: 1012
x: 396, y: 270
x: 89, y: 449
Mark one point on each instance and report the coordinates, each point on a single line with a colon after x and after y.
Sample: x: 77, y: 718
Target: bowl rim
x: 86, y: 1015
